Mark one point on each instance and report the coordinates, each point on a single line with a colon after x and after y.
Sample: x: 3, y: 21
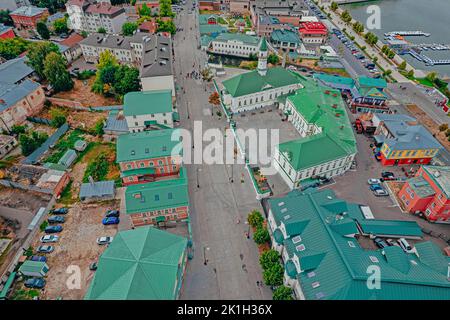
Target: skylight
x: 351, y: 244
x: 316, y: 284
x: 300, y: 247
x: 283, y: 210
x: 281, y: 204
x: 296, y: 239
x: 373, y: 259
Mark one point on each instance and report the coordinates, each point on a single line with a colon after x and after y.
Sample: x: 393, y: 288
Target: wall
x: 158, y: 83
x: 149, y: 218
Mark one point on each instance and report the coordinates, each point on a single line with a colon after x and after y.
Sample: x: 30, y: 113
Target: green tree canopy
x: 269, y: 258
x: 273, y: 276
x: 145, y: 11
x: 37, y: 54
x: 55, y: 71
x: 60, y: 26
x: 43, y: 31
x: 273, y: 58
x: 165, y: 8
x: 282, y: 293
x: 255, y: 219
x: 166, y: 26
x: 11, y: 48
x: 334, y: 6
x: 101, y: 30
x: 30, y: 142
x: 128, y: 28
x: 261, y: 235
x: 5, y: 18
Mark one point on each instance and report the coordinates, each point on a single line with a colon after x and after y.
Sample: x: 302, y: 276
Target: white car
x: 49, y: 238
x: 373, y: 181
x: 104, y: 240
x: 405, y: 245
x: 380, y: 193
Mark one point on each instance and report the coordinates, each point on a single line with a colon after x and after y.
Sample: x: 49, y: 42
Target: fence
x: 34, y: 157
x: 39, y: 120
x: 79, y: 106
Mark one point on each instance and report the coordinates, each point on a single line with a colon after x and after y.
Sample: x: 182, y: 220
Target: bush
x: 17, y: 129
x: 269, y: 258
x: 31, y: 142
x: 255, y: 219
x: 97, y: 168
x: 43, y: 225
x: 261, y: 235
x: 443, y: 127
x: 282, y: 293
x: 273, y: 276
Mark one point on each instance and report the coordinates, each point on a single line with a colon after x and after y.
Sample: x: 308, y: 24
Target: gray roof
x: 421, y: 187
x: 409, y: 137
x: 54, y: 17
x: 385, y: 117
x: 115, y: 124
x: 97, y: 189
x: 4, y: 28
x: 441, y: 175
x: 113, y: 41
x: 14, y: 70
x: 29, y: 11
x: 157, y: 57
x: 11, y: 93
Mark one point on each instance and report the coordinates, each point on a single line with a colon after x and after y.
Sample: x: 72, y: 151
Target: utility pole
x: 198, y: 182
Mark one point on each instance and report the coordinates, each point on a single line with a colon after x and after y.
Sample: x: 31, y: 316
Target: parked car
x: 374, y: 181
x: 35, y: 283
x: 374, y: 187
x: 405, y: 245
x: 380, y: 243
x: 392, y: 242
x: 387, y: 174
x: 380, y: 192
x: 56, y: 219
x: 53, y: 229
x: 60, y: 211
x: 93, y: 266
x: 110, y: 220
x: 38, y: 258
x: 104, y: 240
x: 45, y: 249
x: 49, y: 238
x: 112, y: 213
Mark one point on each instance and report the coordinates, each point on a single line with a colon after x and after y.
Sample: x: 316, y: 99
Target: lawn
x: 101, y: 162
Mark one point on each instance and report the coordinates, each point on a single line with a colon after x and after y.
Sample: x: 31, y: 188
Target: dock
x: 407, y: 33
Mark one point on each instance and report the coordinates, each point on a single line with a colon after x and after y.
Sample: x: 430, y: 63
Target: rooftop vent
x: 281, y: 204
x: 437, y: 174
x: 315, y: 284
x: 296, y: 239
x: 284, y: 210
x: 287, y: 217
x: 373, y: 259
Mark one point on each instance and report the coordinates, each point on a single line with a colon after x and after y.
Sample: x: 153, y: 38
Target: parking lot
x: 76, y: 248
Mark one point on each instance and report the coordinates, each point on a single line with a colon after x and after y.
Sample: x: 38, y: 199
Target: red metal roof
x: 313, y: 28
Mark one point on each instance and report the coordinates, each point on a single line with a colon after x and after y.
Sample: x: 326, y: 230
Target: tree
x: 43, y: 31
x: 410, y: 73
x: 126, y: 80
x: 402, y: 66
x: 255, y: 219
x: 11, y: 48
x: 37, y: 54
x: 431, y: 76
x: 58, y: 118
x: 5, y: 18
x: 144, y: 11
x: 165, y: 8
x: 55, y: 71
x: 334, y: 6
x: 282, y: 293
x: 261, y: 235
x: 18, y: 129
x: 273, y: 276
x: 443, y: 127
x: 101, y: 30
x: 60, y: 26
x: 84, y: 34
x: 273, y: 59
x: 269, y: 258
x: 214, y: 99
x: 29, y: 143
x: 166, y: 26
x: 128, y: 28
x: 52, y: 5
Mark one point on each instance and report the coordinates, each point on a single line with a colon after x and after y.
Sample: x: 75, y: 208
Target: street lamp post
x: 231, y: 179
x: 198, y: 181
x: 205, y: 262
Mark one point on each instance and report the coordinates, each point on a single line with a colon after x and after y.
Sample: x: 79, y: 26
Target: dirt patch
x: 23, y: 200
x: 76, y: 247
x: 76, y: 118
x: 430, y: 124
x: 395, y: 187
x: 82, y: 93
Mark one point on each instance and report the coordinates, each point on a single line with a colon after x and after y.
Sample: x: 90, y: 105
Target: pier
x: 406, y: 33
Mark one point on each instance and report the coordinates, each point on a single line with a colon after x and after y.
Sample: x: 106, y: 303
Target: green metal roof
x: 148, y: 144
x: 284, y: 35
x: 7, y: 285
x: 431, y: 255
x: 372, y: 82
x: 323, y: 107
x: 290, y: 268
x: 158, y: 195
x: 278, y: 236
x: 147, y: 102
x: 203, y: 18
x: 32, y: 266
x: 335, y: 79
x: 263, y: 45
x: 140, y: 264
x: 337, y: 265
x: 241, y: 37
x: 252, y: 82
x: 211, y: 28
x: 390, y: 227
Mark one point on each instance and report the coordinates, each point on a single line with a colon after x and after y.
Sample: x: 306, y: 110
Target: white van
x: 405, y: 245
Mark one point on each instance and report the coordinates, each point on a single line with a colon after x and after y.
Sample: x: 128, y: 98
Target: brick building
x: 313, y: 32
x: 27, y: 17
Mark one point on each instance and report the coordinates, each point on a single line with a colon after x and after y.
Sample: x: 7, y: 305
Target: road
x: 353, y: 66
x: 232, y: 268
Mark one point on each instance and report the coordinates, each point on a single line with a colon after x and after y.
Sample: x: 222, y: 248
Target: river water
x: 432, y: 16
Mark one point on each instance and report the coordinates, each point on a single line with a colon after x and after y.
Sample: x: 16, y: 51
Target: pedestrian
x: 257, y: 283
x: 238, y: 221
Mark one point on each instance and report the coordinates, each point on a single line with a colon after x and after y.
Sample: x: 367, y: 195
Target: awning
x: 291, y: 270
x: 150, y: 122
x: 160, y: 219
x: 140, y: 171
x: 278, y: 236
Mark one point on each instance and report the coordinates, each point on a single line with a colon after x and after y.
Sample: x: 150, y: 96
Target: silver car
x: 49, y: 238
x: 45, y: 249
x: 104, y: 240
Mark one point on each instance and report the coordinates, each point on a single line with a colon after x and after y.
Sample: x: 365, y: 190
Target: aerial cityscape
x: 224, y: 150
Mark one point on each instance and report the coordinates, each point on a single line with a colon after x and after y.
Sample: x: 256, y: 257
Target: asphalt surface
x: 225, y: 263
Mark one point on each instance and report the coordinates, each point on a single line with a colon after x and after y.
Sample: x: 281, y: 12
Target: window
x: 156, y: 197
x: 170, y: 195
x: 373, y: 259
x: 296, y: 239
x: 300, y: 247
x: 142, y: 164
x: 315, y: 284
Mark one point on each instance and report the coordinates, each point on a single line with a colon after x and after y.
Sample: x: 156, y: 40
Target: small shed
x: 34, y: 269
x: 68, y: 158
x: 80, y: 145
x: 97, y: 191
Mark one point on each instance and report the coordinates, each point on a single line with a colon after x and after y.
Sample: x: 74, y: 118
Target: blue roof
x: 4, y: 28
x: 54, y: 17
x: 11, y: 93
x: 14, y: 70
x: 114, y: 124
